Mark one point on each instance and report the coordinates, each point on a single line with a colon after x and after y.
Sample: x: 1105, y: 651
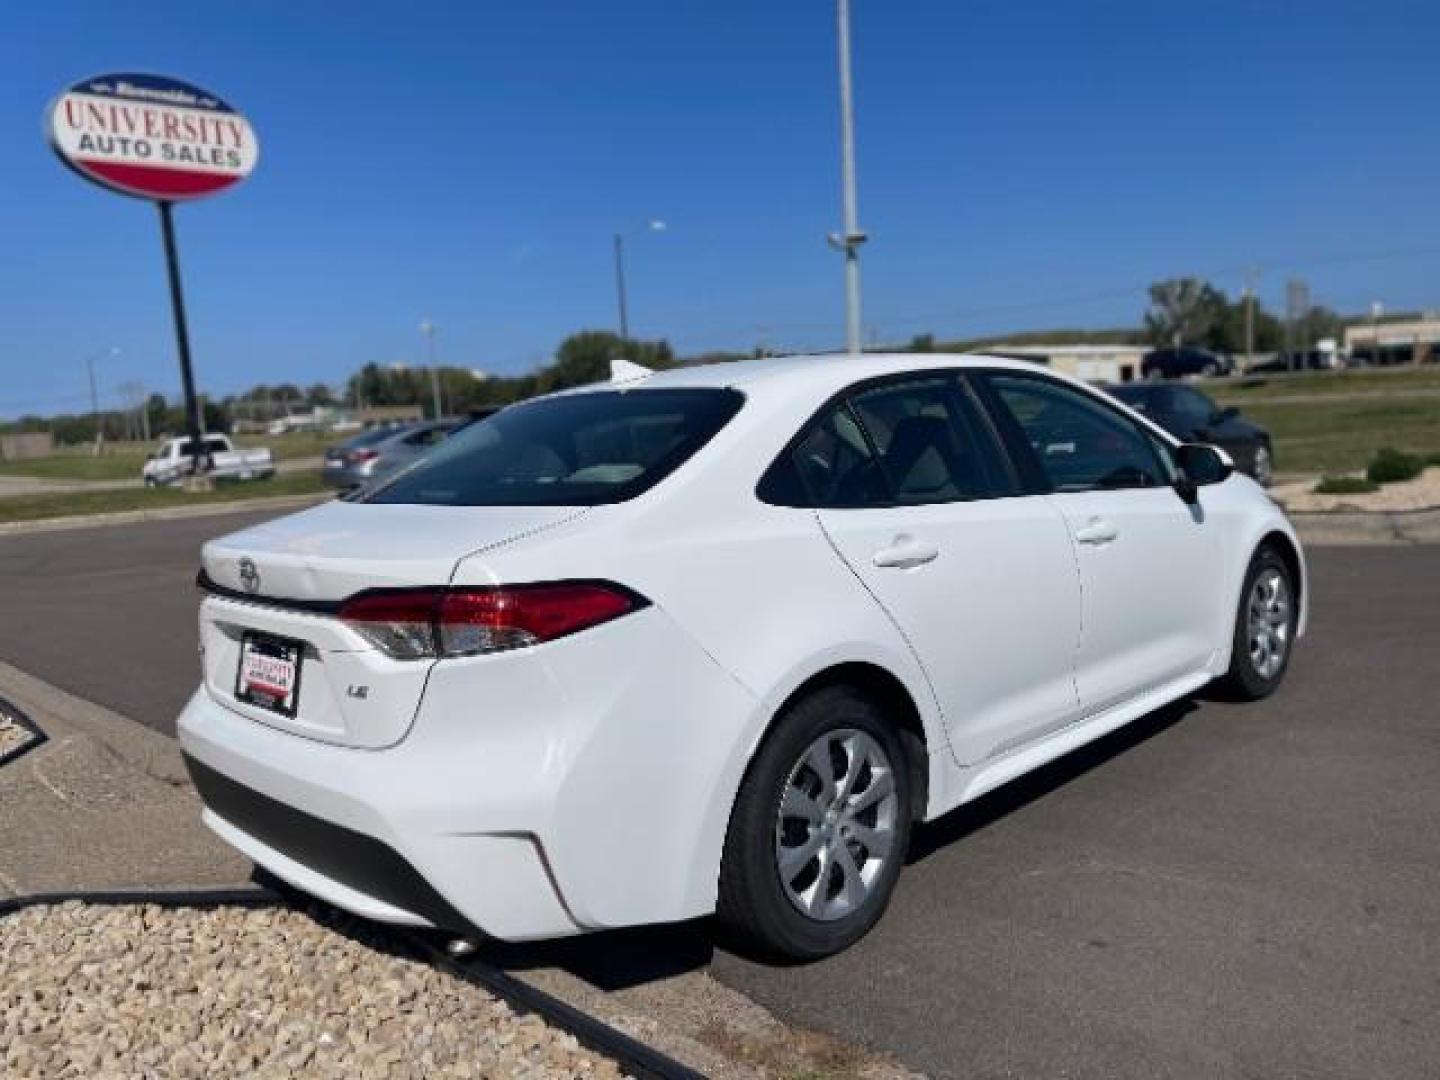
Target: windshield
x: 572, y: 450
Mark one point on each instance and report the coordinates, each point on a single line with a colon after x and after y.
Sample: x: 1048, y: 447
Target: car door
x: 917, y: 496
x: 1149, y: 562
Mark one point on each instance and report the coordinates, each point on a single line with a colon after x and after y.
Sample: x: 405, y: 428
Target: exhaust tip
x: 460, y: 948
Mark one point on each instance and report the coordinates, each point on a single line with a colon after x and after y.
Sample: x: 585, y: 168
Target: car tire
x: 793, y: 883
x: 1265, y: 623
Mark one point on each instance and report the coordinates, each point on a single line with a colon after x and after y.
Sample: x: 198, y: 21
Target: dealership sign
x: 151, y: 136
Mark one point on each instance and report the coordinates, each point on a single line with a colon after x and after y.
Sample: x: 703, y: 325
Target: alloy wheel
x: 836, y: 824
x: 1269, y: 623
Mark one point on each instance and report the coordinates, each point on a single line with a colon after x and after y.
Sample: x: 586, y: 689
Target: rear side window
x: 1081, y: 444
x: 887, y: 444
x: 929, y: 445
x: 573, y: 450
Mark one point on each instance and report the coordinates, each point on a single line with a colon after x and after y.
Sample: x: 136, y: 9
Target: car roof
x: 824, y: 373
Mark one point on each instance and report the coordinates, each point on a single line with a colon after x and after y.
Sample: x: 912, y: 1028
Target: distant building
x: 1091, y: 363
x: 1416, y: 341
x: 30, y: 444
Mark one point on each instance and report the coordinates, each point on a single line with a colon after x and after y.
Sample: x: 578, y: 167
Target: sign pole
x: 182, y: 333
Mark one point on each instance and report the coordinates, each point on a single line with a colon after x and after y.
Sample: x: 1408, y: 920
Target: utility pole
x: 849, y: 241
x: 620, y: 286
x: 1250, y: 282
x: 621, y: 296
x: 95, y: 397
x: 1377, y: 309
x: 428, y: 329
x: 94, y: 407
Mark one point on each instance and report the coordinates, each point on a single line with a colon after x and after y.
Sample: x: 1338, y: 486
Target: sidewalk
x: 104, y: 803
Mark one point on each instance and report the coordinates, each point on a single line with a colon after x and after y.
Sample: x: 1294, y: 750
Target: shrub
x: 1346, y: 485
x: 1389, y: 465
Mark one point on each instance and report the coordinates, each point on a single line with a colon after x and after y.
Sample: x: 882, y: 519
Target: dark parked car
x: 1303, y: 360
x: 1177, y: 363
x: 380, y: 451
x: 1189, y: 415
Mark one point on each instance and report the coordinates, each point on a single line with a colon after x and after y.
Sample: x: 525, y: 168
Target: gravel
x: 1421, y: 493
x: 12, y: 735
x: 143, y: 991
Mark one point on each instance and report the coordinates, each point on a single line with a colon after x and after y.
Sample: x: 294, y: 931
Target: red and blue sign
x: 151, y: 136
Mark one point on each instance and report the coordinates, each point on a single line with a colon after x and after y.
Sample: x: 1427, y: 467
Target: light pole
x: 850, y: 240
x: 428, y: 329
x: 620, y: 297
x: 95, y: 398
x: 1377, y: 312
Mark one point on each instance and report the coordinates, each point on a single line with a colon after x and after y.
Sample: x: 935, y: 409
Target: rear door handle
x: 905, y: 553
x: 1096, y: 531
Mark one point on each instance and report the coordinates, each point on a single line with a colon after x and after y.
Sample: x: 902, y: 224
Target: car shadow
x: 931, y: 836
x: 615, y: 960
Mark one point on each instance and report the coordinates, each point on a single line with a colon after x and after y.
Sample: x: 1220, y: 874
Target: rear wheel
x: 1264, y: 628
x: 820, y: 828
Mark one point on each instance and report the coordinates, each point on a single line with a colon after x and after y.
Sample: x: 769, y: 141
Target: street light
x: 850, y: 240
x: 113, y: 351
x: 428, y: 329
x: 1377, y: 312
x: 651, y: 226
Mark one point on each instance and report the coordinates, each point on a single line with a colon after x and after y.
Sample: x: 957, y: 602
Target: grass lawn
x: 1342, y: 436
x: 1367, y: 381
x: 70, y: 504
x: 122, y: 461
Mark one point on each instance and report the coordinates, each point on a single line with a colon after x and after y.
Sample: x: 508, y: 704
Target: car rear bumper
x: 581, y: 785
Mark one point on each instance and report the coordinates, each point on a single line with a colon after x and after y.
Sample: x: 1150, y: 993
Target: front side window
x: 581, y: 449
x: 1080, y: 443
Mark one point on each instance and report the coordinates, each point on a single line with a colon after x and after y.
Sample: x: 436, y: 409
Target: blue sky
x: 1021, y: 165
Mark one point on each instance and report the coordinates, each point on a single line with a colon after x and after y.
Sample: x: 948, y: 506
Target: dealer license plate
x: 269, y: 675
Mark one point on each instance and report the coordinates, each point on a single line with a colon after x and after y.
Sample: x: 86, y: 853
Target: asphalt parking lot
x: 1219, y: 890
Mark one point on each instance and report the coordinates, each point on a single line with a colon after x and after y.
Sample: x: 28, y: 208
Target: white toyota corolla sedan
x: 714, y: 639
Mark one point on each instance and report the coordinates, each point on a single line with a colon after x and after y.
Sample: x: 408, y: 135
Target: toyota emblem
x: 249, y: 575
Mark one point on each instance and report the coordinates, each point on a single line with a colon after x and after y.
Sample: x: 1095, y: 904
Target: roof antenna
x: 623, y: 371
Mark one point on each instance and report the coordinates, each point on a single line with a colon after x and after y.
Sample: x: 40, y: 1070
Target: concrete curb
x: 1350, y: 528
x: 128, y: 517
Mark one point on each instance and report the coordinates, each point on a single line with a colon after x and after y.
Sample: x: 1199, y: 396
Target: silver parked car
x: 379, y: 452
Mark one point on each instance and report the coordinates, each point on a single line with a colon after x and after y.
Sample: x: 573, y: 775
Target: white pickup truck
x: 219, y: 460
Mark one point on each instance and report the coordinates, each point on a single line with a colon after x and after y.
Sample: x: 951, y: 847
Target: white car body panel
x: 588, y: 782
x: 1009, y: 558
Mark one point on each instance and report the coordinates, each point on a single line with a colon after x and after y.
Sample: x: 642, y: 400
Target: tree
x: 922, y: 343
x: 585, y: 358
x: 1183, y: 311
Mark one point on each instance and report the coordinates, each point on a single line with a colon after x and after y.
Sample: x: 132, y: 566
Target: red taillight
x: 415, y: 623
x: 359, y: 457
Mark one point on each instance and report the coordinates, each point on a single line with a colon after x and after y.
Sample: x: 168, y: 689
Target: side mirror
x: 1200, y: 465
x: 1230, y: 412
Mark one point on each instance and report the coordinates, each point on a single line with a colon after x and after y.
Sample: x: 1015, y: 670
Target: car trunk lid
x: 275, y: 590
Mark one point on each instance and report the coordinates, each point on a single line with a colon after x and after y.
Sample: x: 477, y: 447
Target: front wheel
x: 1264, y: 628
x: 820, y: 829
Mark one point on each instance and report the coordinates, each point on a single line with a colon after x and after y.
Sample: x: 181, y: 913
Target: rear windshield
x: 573, y: 450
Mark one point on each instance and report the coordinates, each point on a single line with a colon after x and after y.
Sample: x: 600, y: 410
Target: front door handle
x: 904, y: 553
x: 1096, y: 531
